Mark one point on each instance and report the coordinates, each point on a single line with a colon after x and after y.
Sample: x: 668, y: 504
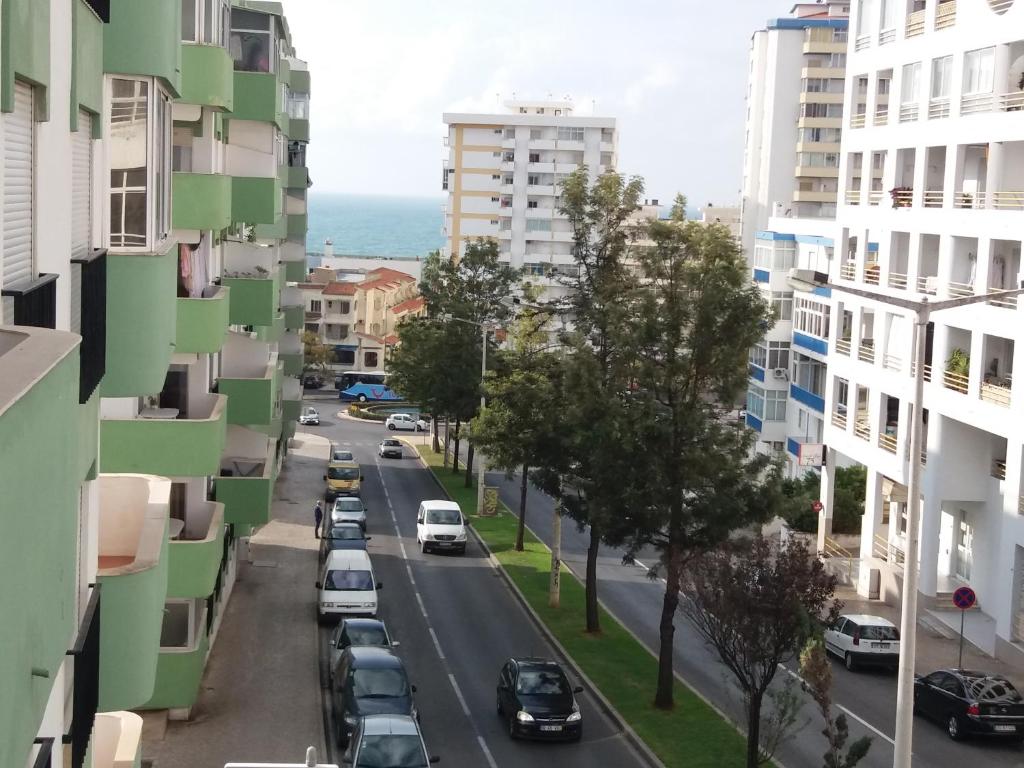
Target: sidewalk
x: 260, y: 696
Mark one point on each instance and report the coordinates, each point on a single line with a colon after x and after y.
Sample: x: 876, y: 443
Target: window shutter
x: 18, y: 125
x: 81, y: 209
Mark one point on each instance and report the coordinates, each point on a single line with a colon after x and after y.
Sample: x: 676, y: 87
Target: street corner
x: 311, y: 446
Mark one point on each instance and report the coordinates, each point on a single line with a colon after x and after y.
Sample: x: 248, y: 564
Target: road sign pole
x: 960, y: 660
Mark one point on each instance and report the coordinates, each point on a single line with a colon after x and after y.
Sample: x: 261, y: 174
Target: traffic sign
x: 964, y: 598
x: 817, y: 506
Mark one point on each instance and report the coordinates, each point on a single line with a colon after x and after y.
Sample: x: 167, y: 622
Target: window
x: 533, y: 180
x: 759, y: 355
x: 883, y: 85
x: 298, y: 106
x: 206, y: 21
x: 811, y: 318
x: 570, y: 134
x: 535, y: 157
x: 536, y: 269
x: 296, y: 154
x: 315, y: 305
x: 252, y: 45
x: 809, y: 374
x: 778, y: 354
x: 140, y: 166
x: 911, y: 83
x: 825, y: 135
x: 755, y: 401
x: 345, y: 356
x: 181, y: 159
x: 942, y: 77
x: 495, y: 177
x: 979, y: 71
x: 775, y: 404
x: 821, y: 110
x: 510, y: 133
x: 819, y: 159
x: 370, y: 359
x: 531, y: 203
x: 538, y: 225
x: 536, y: 133
x: 782, y: 304
x: 17, y: 259
x: 778, y: 256
x: 344, y: 307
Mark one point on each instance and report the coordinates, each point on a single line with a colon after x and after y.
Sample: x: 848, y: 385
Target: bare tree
x: 817, y: 675
x: 756, y: 605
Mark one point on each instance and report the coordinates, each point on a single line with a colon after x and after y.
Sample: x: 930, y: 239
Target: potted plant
x: 901, y: 196
x: 958, y: 368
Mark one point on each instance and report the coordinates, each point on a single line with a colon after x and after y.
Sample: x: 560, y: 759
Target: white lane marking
x: 433, y: 635
x: 849, y: 713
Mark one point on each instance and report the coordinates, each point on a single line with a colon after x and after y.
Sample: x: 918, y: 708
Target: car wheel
x: 362, y: 398
x: 501, y: 712
x: 954, y: 728
x: 423, y: 547
x: 578, y: 736
x: 419, y: 428
x: 391, y: 427
x: 850, y: 663
x: 512, y: 728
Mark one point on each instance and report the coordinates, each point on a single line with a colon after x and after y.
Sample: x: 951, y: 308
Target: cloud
x: 657, y: 78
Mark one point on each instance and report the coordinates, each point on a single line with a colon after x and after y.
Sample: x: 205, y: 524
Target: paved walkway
x: 260, y: 695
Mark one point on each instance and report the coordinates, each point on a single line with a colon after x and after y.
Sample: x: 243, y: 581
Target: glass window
x: 343, y: 473
x: 809, y: 374
x: 979, y: 71
x: 542, y: 682
x: 911, y: 83
x: 443, y: 517
x: 379, y: 683
x: 759, y: 355
x: 358, y: 581
x: 252, y: 41
x: 775, y: 404
x: 942, y: 77
x: 538, y: 225
x: 812, y: 318
x: 782, y: 304
x: 778, y: 354
x: 130, y: 142
x: 570, y: 134
x: 370, y: 359
x: 755, y: 401
x: 391, y: 751
x: 188, y: 21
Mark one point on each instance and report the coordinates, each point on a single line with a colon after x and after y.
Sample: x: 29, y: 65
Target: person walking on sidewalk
x: 318, y: 516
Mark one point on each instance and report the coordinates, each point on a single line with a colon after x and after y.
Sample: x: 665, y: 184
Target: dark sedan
x: 970, y: 703
x: 537, y: 701
x: 343, y: 536
x: 358, y: 631
x: 368, y: 680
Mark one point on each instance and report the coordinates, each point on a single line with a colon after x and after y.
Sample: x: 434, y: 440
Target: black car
x: 970, y: 703
x: 537, y: 701
x: 368, y: 681
x: 312, y: 381
x: 343, y: 536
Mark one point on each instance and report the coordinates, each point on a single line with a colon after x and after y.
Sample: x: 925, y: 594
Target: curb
x: 607, y: 707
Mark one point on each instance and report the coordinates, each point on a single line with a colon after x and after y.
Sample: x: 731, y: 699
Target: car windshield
x: 391, y: 442
x: 379, y: 683
x: 391, y: 751
x: 444, y: 517
x: 343, y: 456
x: 348, y: 505
x: 346, y: 532
x: 542, y: 682
x: 985, y: 688
x: 342, y: 473
x: 373, y: 635
x: 349, y: 580
x: 879, y: 633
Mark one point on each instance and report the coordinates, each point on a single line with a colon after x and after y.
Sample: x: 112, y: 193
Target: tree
x: 816, y: 672
x: 697, y: 315
x: 414, y: 370
x: 678, y: 210
x: 317, y: 355
x: 847, y: 500
x: 755, y: 604
x: 586, y: 481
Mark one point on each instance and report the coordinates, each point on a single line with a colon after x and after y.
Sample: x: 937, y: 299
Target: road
x: 869, y: 698
x: 457, y: 622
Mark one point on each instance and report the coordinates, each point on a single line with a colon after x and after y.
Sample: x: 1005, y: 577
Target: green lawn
x: 691, y: 736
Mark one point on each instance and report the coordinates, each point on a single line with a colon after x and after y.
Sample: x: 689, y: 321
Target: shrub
x: 848, y: 500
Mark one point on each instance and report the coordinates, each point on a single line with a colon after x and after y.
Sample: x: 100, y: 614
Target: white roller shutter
x: 81, y: 209
x: 19, y: 125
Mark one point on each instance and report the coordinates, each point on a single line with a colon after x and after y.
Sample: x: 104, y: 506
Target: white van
x: 347, y: 585
x: 440, y: 525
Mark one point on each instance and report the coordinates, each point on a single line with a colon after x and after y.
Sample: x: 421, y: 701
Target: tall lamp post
x: 908, y: 618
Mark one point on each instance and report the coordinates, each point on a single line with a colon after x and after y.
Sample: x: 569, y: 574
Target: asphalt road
x: 867, y: 697
x: 456, y: 622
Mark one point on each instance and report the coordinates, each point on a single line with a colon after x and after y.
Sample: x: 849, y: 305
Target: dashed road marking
x: 458, y: 694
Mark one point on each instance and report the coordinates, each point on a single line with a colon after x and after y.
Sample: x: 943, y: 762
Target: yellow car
x: 343, y: 479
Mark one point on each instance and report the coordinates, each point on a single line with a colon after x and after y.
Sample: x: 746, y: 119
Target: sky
x: 672, y: 72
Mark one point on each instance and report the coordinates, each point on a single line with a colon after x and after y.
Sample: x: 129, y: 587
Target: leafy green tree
x: 415, y: 372
x: 816, y: 672
x: 697, y: 315
x: 847, y: 500
x: 678, y: 210
x: 317, y: 355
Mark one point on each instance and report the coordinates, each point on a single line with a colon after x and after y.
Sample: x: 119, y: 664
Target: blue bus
x: 368, y: 393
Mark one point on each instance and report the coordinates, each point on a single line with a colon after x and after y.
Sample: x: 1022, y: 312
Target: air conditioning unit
x: 780, y: 373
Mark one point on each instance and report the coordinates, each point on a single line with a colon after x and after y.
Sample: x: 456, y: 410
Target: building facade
x: 148, y: 350
x: 947, y: 217
x: 503, y: 174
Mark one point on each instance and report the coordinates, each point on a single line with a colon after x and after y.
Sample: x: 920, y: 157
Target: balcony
x: 298, y: 129
x: 203, y: 322
x: 207, y: 76
x: 866, y: 351
x: 249, y: 378
x: 294, y: 317
x: 290, y: 352
x: 195, y: 555
x: 915, y: 24
x: 273, y: 331
x: 257, y: 97
x: 887, y: 442
x: 85, y: 697
x: 291, y: 399
x: 852, y: 197
x: 945, y: 14
x: 254, y: 276
x: 90, y: 274
x: 133, y: 575
x: 202, y: 201
x: 188, y: 444
x: 814, y: 196
x: 185, y: 643
x: 246, y: 477
x: 143, y: 38
x: 35, y: 302
x: 256, y: 199
x: 141, y: 308
x: 117, y: 740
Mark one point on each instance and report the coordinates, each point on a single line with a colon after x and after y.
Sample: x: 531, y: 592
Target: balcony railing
x: 955, y: 381
x: 927, y: 284
x: 892, y: 362
x: 938, y: 108
x: 981, y: 103
x: 875, y: 196
x: 848, y: 271
x: 853, y: 197
x: 44, y: 752
x: 86, y: 697
x: 91, y: 274
x: 968, y: 200
x: 35, y: 303
x: 866, y: 352
x: 862, y: 42
x: 862, y: 429
x: 945, y: 15
x: 882, y: 116
x: 915, y: 24
x: 902, y: 198
x: 897, y: 280
x: 886, y: 36
x: 959, y: 290
x: 908, y: 113
x: 927, y: 371
x: 1007, y: 201
x: 997, y: 391
x: 872, y: 273
x: 883, y: 549
x: 1007, y: 302
x: 999, y: 469
x: 933, y: 198
x: 839, y: 420
x: 858, y: 120
x: 843, y: 346
x: 887, y: 442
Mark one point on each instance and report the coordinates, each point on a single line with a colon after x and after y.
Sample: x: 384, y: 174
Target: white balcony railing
x: 882, y: 116
x: 997, y: 391
x: 969, y: 200
x: 872, y: 273
x: 955, y: 381
x: 862, y: 429
x: 933, y: 198
x: 892, y: 362
x: 887, y: 442
x: 998, y: 470
x: 858, y: 120
x: 839, y: 420
x: 1007, y: 302
x: 1007, y: 201
x: 915, y: 24
x: 875, y: 196
x: 945, y: 14
x: 908, y: 113
x: 928, y: 284
x: 866, y: 352
x: 843, y: 346
x: 848, y: 271
x: 938, y: 108
x: 853, y: 197
x: 862, y: 42
x: 897, y: 280
x: 886, y: 36
x: 959, y: 290
x: 883, y: 549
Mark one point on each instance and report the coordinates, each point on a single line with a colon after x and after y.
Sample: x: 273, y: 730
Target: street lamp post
x: 908, y: 618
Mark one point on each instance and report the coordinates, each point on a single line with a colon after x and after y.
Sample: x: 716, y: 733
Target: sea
x: 374, y: 225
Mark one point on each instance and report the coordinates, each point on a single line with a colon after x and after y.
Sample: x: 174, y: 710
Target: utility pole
x: 483, y: 403
x: 554, y: 586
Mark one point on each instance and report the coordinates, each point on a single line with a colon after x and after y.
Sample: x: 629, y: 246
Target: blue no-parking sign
x: 964, y: 598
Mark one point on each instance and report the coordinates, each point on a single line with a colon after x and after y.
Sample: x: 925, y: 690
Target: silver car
x: 349, y: 509
x: 388, y: 740
x: 358, y: 631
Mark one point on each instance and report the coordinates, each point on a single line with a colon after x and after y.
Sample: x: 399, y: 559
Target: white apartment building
x: 503, y: 174
x: 948, y: 219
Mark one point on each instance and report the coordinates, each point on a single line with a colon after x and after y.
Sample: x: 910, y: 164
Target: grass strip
x: 693, y: 735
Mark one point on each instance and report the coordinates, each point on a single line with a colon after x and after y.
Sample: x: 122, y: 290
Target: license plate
x: 883, y: 646
x: 1005, y: 728
x: 558, y: 727
x: 444, y: 543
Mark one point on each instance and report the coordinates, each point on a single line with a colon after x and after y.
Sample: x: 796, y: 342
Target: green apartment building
x: 154, y: 199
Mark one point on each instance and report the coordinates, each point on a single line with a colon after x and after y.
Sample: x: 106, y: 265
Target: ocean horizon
x: 374, y: 225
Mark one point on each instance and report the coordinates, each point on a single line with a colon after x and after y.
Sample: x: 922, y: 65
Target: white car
x: 861, y: 639
x: 347, y: 585
x: 310, y: 416
x: 390, y: 447
x: 405, y: 421
x: 440, y: 525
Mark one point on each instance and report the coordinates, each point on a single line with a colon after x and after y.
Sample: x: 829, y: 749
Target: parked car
x: 312, y: 381
x: 440, y: 525
x: 310, y: 416
x: 353, y: 631
x: 970, y: 703
x: 392, y: 741
x: 368, y: 681
x: 347, y: 585
x: 390, y: 448
x: 536, y: 700
x: 343, y: 479
x: 338, y: 455
x: 405, y: 421
x: 343, y: 536
x: 861, y: 639
x: 349, y: 510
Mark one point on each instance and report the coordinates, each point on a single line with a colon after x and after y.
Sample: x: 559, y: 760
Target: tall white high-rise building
x: 947, y: 216
x: 503, y: 177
